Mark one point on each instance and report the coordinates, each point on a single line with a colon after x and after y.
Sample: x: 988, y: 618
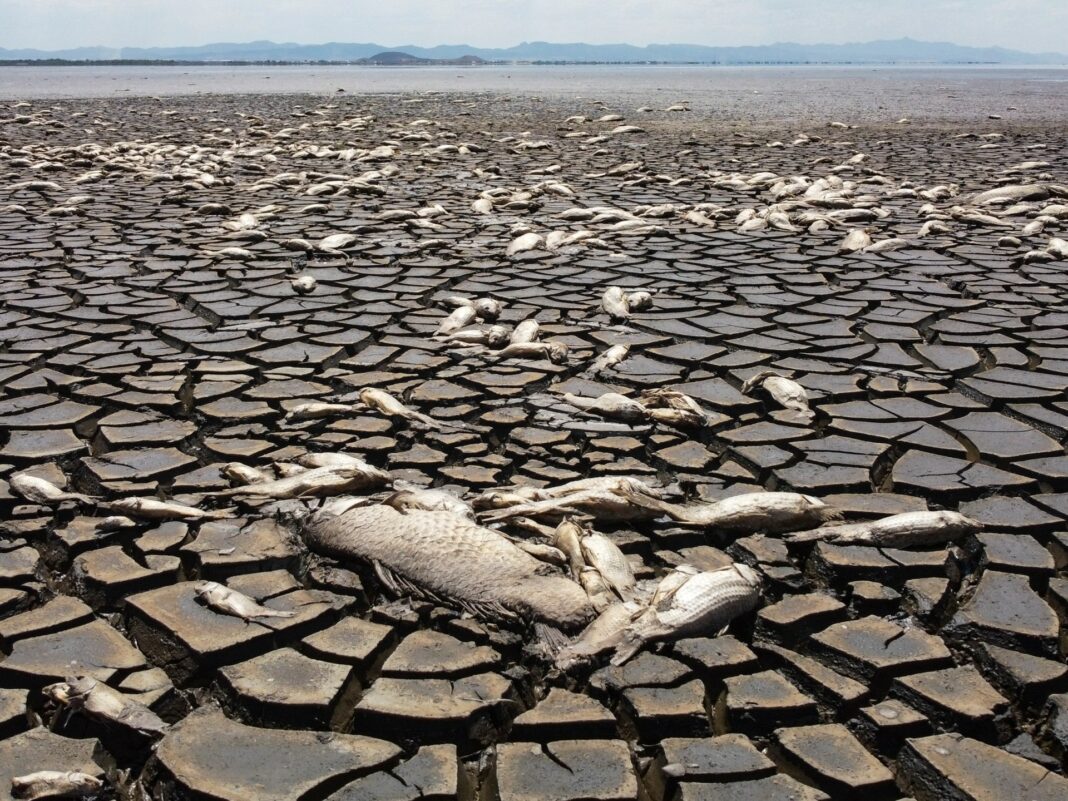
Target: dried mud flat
x: 140, y: 355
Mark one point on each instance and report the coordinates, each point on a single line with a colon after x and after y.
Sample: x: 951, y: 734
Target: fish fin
x: 385, y: 575
x: 552, y: 638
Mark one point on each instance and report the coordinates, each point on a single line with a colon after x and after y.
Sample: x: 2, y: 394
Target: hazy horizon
x: 1030, y: 25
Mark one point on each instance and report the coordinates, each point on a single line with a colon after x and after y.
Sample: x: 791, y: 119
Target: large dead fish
x: 98, y: 700
x: 906, y: 530
x: 749, y: 513
x: 702, y: 604
x: 449, y: 559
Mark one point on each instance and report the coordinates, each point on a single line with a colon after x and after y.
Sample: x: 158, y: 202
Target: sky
x: 1031, y: 25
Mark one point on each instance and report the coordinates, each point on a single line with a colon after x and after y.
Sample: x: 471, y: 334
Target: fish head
x: 556, y: 352
x: 496, y: 335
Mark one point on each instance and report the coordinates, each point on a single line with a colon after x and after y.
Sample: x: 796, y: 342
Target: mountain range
x: 879, y: 52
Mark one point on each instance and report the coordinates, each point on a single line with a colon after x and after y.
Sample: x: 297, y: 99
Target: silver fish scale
x: 708, y: 600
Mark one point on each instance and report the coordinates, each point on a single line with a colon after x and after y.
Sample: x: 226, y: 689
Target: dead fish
x: 315, y: 483
x: 335, y: 243
x: 906, y: 530
x: 610, y: 358
x: 445, y: 557
x: 38, y: 490
x: 856, y: 240
x: 603, y: 634
x: 640, y: 301
x: 97, y: 700
x: 555, y: 352
x: 491, y: 336
x: 784, y: 391
x: 705, y: 603
x: 391, y: 407
x: 673, y: 407
x: 304, y: 284
x: 567, y: 537
x: 54, y: 784
x: 597, y: 589
x: 1011, y: 194
x: 231, y: 602
x: 151, y: 509
x: 526, y: 331
x: 429, y: 500
x: 887, y: 245
x: 614, y: 303
x: 242, y: 473
x: 115, y: 523
x: 623, y: 499
x: 316, y: 410
x: 312, y: 460
x: 522, y: 244
x: 236, y: 254
x: 610, y: 404
x: 752, y: 512
x: 603, y: 555
x: 458, y: 319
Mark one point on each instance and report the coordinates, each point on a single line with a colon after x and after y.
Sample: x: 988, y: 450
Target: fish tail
x: 552, y: 638
x: 810, y: 535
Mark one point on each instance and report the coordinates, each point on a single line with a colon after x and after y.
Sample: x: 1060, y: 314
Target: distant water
x: 949, y: 92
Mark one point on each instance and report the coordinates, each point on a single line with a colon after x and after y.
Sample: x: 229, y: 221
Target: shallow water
x: 738, y: 93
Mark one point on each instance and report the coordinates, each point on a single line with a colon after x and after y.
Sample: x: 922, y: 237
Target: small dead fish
x: 603, y: 634
x: 640, y: 301
x: 316, y: 410
x: 304, y: 284
x: 525, y: 332
x: 597, y: 589
x: 54, y: 784
x: 784, y: 391
x: 705, y: 603
x: 151, y: 509
x: 602, y: 554
x: 429, y: 500
x: 458, y: 319
x: 98, y: 700
x: 522, y: 244
x: 115, y: 523
x: 610, y: 358
x: 243, y: 474
x: 315, y: 483
x: 236, y: 254
x: 555, y: 352
x: 768, y: 512
x: 856, y: 240
x: 231, y: 602
x: 609, y: 498
x: 568, y: 538
x: 391, y: 407
x: 614, y: 304
x: 906, y: 530
x: 610, y: 404
x: 38, y: 490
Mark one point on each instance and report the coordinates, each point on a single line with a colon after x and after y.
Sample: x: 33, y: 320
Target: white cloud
x: 51, y: 24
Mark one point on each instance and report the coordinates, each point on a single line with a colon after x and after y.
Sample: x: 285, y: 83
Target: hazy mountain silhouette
x: 879, y: 52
